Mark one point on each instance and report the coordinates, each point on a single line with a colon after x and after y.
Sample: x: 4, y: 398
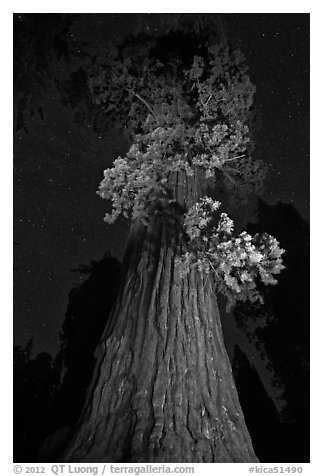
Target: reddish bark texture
x: 162, y: 390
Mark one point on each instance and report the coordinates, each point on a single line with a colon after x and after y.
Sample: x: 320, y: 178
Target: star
x: 59, y: 164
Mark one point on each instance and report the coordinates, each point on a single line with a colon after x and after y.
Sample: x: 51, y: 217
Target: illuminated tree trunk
x: 163, y: 390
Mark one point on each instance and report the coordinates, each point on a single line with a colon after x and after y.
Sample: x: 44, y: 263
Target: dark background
x: 58, y: 218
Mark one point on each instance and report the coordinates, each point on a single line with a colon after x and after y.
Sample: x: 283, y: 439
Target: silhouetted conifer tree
x: 89, y: 305
x: 282, y: 324
x: 261, y: 416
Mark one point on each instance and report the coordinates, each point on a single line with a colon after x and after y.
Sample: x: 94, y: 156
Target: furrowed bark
x: 162, y: 390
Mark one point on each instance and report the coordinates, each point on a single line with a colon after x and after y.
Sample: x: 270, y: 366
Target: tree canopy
x: 188, y: 111
x: 186, y: 104
x: 183, y: 97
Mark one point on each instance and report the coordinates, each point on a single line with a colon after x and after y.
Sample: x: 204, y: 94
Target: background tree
x: 89, y: 304
x: 162, y: 390
x: 49, y: 393
x: 280, y: 328
x: 86, y: 316
x: 259, y: 411
x: 42, y: 45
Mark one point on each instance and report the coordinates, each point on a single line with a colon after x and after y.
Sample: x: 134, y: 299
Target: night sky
x: 58, y: 165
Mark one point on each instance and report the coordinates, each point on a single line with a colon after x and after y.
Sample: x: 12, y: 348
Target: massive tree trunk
x: 163, y: 390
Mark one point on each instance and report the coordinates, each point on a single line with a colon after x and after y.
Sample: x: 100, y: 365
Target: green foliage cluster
x: 234, y: 262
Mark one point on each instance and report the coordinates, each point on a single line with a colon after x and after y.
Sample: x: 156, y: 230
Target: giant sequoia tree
x: 162, y: 390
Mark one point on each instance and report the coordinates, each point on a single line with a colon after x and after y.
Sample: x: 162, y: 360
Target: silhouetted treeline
x: 34, y: 389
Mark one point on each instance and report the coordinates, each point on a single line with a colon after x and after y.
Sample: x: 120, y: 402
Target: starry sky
x: 58, y: 165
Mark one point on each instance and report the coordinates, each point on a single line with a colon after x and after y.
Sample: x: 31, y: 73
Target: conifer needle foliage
x: 187, y: 110
x: 234, y: 262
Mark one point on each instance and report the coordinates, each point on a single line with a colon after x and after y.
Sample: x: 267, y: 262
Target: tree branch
x: 235, y: 158
x: 141, y: 99
x: 131, y: 91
